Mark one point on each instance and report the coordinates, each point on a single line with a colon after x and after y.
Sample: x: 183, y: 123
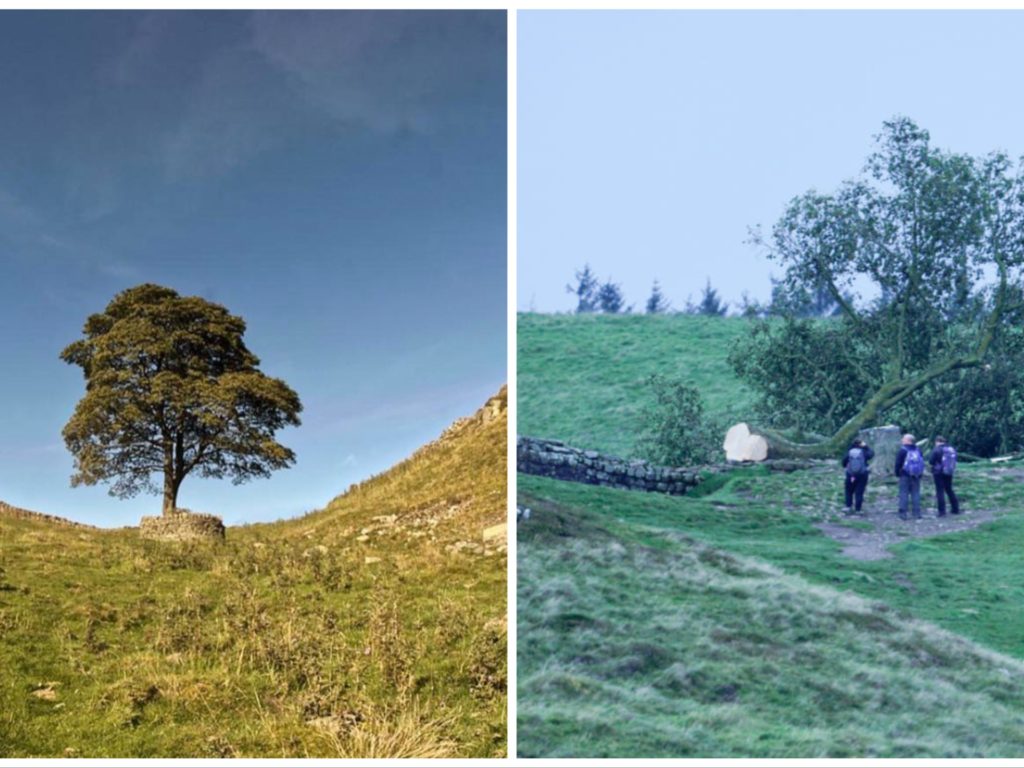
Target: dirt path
x: 864, y: 543
x: 867, y: 535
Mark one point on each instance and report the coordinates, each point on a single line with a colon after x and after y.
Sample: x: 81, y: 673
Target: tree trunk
x: 170, y: 493
x: 746, y: 443
x: 171, y: 481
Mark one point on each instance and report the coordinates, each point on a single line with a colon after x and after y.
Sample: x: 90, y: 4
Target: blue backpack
x: 948, y: 459
x: 913, y: 464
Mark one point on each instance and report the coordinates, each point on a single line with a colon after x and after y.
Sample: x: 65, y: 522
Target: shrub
x: 675, y: 430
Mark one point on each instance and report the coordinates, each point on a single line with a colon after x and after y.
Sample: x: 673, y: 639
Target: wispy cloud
x: 385, y: 70
x: 31, y: 235
x: 234, y: 113
x: 381, y: 71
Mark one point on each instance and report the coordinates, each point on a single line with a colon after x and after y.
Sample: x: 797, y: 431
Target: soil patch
x: 887, y: 528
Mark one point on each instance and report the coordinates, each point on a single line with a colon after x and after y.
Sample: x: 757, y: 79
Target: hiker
x: 943, y: 461
x: 909, y: 468
x: 857, y: 470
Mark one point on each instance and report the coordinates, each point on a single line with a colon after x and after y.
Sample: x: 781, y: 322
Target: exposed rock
x: 46, y: 691
x: 499, y: 531
x: 885, y: 441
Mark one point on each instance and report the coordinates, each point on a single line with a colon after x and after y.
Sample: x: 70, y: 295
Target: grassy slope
x: 581, y: 378
x: 969, y: 583
x: 637, y: 640
x: 284, y: 641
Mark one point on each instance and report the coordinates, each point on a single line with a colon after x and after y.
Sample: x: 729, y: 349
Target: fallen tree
x: 922, y: 257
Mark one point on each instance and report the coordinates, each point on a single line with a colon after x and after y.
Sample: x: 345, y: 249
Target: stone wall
x: 552, y: 458
x: 9, y: 511
x: 182, y: 525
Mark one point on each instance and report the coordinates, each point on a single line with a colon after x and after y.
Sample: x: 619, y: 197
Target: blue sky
x: 648, y: 142
x: 336, y: 178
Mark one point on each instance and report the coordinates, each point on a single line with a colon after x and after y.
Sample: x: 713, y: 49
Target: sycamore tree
x: 172, y: 389
x: 922, y: 256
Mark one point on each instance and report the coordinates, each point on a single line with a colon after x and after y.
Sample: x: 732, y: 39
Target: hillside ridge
x: 494, y: 409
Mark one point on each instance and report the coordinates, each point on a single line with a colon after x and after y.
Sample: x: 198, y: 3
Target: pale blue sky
x: 649, y: 141
x: 337, y: 178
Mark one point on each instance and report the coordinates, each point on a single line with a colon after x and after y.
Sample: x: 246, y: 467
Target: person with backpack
x: 857, y: 470
x: 943, y: 461
x: 909, y: 469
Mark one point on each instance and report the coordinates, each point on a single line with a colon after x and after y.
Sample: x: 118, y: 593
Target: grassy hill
x: 735, y: 621
x: 639, y: 639
x: 581, y: 377
x: 374, y: 627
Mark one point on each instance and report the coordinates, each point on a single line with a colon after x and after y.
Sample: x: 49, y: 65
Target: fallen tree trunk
x: 746, y: 443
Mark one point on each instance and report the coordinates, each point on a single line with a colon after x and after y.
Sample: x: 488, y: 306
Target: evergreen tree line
x: 593, y: 295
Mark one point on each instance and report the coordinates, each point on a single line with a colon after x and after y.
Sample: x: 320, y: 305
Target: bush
x: 674, y: 429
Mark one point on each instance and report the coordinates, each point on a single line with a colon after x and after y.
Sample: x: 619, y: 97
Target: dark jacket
x: 901, y: 456
x: 935, y: 459
x: 868, y: 455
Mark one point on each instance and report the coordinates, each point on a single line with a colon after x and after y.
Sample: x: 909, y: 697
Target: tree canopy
x: 171, y: 388
x: 921, y: 255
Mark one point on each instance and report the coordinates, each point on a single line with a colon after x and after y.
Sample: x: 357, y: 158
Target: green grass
x: 970, y: 582
x: 642, y: 635
x: 581, y: 378
x: 724, y: 623
x: 281, y: 642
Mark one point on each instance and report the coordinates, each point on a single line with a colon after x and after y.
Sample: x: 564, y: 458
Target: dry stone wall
x: 182, y: 525
x: 553, y: 458
x: 10, y: 511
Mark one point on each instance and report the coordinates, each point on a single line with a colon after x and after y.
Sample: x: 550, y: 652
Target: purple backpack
x: 948, y: 459
x: 913, y: 464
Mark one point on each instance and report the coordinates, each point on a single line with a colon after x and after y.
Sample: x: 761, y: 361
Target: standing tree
x: 710, y: 304
x: 585, y: 290
x: 656, y: 304
x: 939, y: 235
x: 609, y: 298
x: 171, y: 388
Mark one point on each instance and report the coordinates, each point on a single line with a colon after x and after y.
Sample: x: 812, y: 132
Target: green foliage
x: 810, y: 375
x: 800, y: 300
x: 609, y: 298
x: 172, y: 388
x: 656, y: 303
x: 940, y: 236
x: 710, y: 304
x: 585, y: 290
x: 674, y: 430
